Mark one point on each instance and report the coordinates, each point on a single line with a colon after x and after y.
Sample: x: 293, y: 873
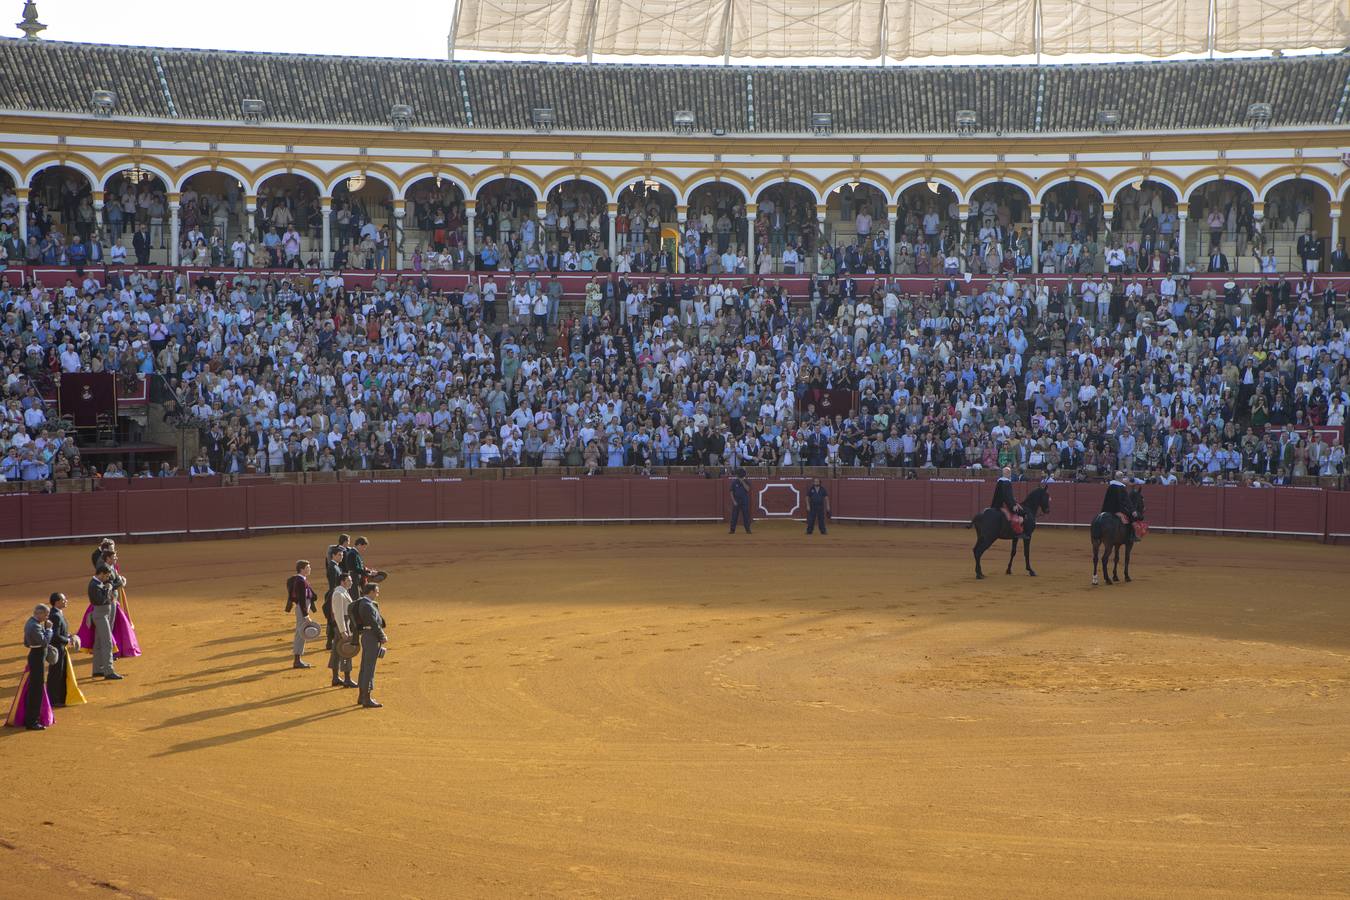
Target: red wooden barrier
x: 263, y: 507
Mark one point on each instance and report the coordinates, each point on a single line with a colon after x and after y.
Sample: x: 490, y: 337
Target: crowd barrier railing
x: 266, y: 506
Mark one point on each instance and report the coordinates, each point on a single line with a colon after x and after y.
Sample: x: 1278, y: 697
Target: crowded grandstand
x: 1065, y: 269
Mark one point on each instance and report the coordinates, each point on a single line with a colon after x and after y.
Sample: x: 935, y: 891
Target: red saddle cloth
x: 1014, y: 521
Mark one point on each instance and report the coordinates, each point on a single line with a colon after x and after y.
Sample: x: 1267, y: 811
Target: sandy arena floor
x: 664, y: 712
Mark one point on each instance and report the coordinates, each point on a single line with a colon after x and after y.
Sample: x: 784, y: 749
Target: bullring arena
x: 531, y: 320
x: 665, y: 710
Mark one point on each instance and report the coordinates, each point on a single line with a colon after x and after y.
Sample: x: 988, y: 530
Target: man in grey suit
x: 103, y: 595
x: 37, y: 634
x: 369, y: 624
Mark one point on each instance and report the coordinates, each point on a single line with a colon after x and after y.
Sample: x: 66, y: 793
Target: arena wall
x: 175, y: 508
x: 574, y: 284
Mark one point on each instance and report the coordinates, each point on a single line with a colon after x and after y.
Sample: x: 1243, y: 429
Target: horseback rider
x: 1117, y: 502
x: 1005, y: 502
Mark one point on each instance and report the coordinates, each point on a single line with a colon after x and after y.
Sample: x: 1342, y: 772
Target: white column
x: 1036, y: 243
x: 613, y: 212
x: 174, y: 225
x: 397, y: 236
x: 326, y: 216
x: 1335, y: 235
x: 23, y: 217
x: 751, y: 266
x: 1182, y: 215
x: 470, y: 213
x: 681, y: 216
x: 1108, y: 215
x: 821, y: 212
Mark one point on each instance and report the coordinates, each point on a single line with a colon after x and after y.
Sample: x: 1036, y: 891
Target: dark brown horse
x: 991, y: 525
x: 1109, y: 533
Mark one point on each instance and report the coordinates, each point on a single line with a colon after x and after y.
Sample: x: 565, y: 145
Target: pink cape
x: 19, y: 708
x: 123, y: 633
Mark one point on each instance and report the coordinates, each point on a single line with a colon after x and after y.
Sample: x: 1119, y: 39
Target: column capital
x: 22, y: 194
x: 612, y: 208
x: 470, y: 205
x: 326, y: 203
x: 751, y: 208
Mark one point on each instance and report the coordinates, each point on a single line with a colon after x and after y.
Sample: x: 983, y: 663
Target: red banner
x: 829, y: 401
x: 84, y: 396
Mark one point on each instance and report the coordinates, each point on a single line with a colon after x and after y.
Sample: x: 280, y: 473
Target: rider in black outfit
x: 1003, y: 495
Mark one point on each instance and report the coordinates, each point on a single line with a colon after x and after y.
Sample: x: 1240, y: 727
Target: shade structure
x: 898, y: 29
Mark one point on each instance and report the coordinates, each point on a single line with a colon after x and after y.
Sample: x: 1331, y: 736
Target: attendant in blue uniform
x: 740, y: 501
x: 817, y: 506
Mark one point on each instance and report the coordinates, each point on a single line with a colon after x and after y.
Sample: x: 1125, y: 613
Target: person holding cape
x: 62, y: 688
x: 31, y: 707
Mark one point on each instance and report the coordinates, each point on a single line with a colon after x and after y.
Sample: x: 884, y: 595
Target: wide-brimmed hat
x: 312, y: 631
x: 347, y: 647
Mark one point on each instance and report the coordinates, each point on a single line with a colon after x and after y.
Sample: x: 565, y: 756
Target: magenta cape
x: 19, y: 708
x: 123, y: 633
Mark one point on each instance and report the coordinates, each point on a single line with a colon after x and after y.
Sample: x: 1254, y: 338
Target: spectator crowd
x: 302, y: 373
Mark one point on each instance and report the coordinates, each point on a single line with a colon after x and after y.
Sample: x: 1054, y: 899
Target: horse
x: 991, y: 525
x: 1109, y: 533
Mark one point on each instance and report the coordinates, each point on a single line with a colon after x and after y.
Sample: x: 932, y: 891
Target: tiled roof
x: 198, y: 84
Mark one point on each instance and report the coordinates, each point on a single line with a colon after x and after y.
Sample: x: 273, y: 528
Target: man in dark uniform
x: 103, y: 596
x: 368, y: 624
x: 56, y: 674
x: 740, y: 501
x: 103, y: 546
x: 817, y: 506
x: 354, y: 562
x: 1117, y: 501
x: 37, y: 634
x: 343, y: 543
x: 1005, y: 502
x: 333, y: 569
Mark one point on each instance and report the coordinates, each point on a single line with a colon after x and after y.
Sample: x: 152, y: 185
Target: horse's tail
x: 1096, y: 528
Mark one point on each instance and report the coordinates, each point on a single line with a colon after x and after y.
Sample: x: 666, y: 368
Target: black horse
x: 992, y: 525
x: 1109, y: 533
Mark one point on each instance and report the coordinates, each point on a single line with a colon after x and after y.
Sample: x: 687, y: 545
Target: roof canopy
x: 898, y: 29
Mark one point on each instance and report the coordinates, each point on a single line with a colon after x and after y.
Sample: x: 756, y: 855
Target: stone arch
x: 786, y: 216
x: 505, y: 173
x: 11, y: 167
x: 75, y: 161
x: 863, y: 177
x: 200, y: 166
x: 1207, y: 176
x: 1166, y: 179
x: 123, y: 163
x: 446, y: 173
x: 990, y: 177
x: 712, y: 176
x: 941, y: 178
x: 812, y: 185
x: 589, y: 176
x: 1068, y: 176
x: 372, y: 171
x: 301, y: 169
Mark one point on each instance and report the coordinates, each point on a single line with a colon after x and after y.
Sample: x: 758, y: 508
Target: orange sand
x: 665, y: 712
